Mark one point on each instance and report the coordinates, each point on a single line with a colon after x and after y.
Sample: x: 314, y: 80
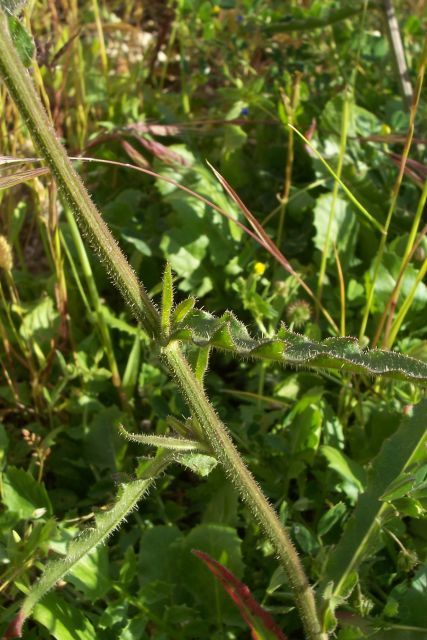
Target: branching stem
x: 74, y: 193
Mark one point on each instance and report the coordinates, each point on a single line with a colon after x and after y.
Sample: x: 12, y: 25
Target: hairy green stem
x: 245, y: 483
x: 75, y: 195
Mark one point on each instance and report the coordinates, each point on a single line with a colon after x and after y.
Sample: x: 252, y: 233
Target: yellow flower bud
x: 259, y: 268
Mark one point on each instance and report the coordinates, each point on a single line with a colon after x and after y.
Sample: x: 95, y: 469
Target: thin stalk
x: 396, y: 189
x: 342, y: 291
x: 410, y: 249
x: 343, y: 144
x: 96, y: 304
x: 400, y: 317
x: 77, y: 198
x: 100, y: 31
x: 396, y: 46
x: 291, y: 107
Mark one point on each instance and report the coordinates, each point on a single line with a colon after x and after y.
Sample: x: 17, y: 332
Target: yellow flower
x: 259, y: 268
x: 6, y: 259
x: 216, y: 9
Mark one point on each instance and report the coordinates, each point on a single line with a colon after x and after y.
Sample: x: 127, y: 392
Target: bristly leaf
x: 345, y: 354
x: 260, y: 622
x: 397, y: 454
x: 201, y: 363
x: 106, y: 523
x: 165, y: 442
x: 167, y: 300
x: 182, y: 310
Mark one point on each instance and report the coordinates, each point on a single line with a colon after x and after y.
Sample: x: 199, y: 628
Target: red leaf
x: 241, y: 595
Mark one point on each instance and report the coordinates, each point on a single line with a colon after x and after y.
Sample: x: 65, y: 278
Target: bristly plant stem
x: 249, y: 490
x: 76, y: 197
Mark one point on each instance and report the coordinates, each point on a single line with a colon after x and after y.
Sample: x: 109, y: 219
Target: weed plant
x: 307, y: 222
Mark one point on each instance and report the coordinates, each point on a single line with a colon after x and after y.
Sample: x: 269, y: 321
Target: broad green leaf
x: 330, y: 518
x: 228, y: 333
x: 352, y: 474
x: 343, y: 233
x: 222, y: 544
x: 63, y: 620
x: 41, y: 322
x: 396, y: 455
x: 23, y: 495
x: 156, y: 555
x: 90, y: 575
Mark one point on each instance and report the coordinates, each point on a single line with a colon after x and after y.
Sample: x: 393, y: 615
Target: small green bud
x: 298, y: 313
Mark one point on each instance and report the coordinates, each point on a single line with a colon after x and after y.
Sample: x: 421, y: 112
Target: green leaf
x: 24, y: 43
x: 166, y: 442
x: 343, y: 233
x: 158, y: 555
x: 222, y: 544
x: 330, y: 518
x: 396, y: 455
x: 199, y: 463
x: 203, y: 329
x: 182, y: 310
x: 167, y: 300
x: 23, y: 495
x: 4, y: 444
x: 91, y: 574
x: 41, y: 322
x: 352, y: 474
x: 130, y: 376
x: 62, y: 620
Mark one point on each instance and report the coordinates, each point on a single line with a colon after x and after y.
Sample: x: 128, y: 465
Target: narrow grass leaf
x: 396, y: 455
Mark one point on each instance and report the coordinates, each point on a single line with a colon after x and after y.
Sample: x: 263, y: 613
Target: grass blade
x: 395, y: 456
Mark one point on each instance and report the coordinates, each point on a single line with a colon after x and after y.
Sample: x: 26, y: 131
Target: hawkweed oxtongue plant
x: 77, y: 199
x: 169, y: 327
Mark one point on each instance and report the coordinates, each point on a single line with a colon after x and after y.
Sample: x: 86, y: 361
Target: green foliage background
x: 168, y: 85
